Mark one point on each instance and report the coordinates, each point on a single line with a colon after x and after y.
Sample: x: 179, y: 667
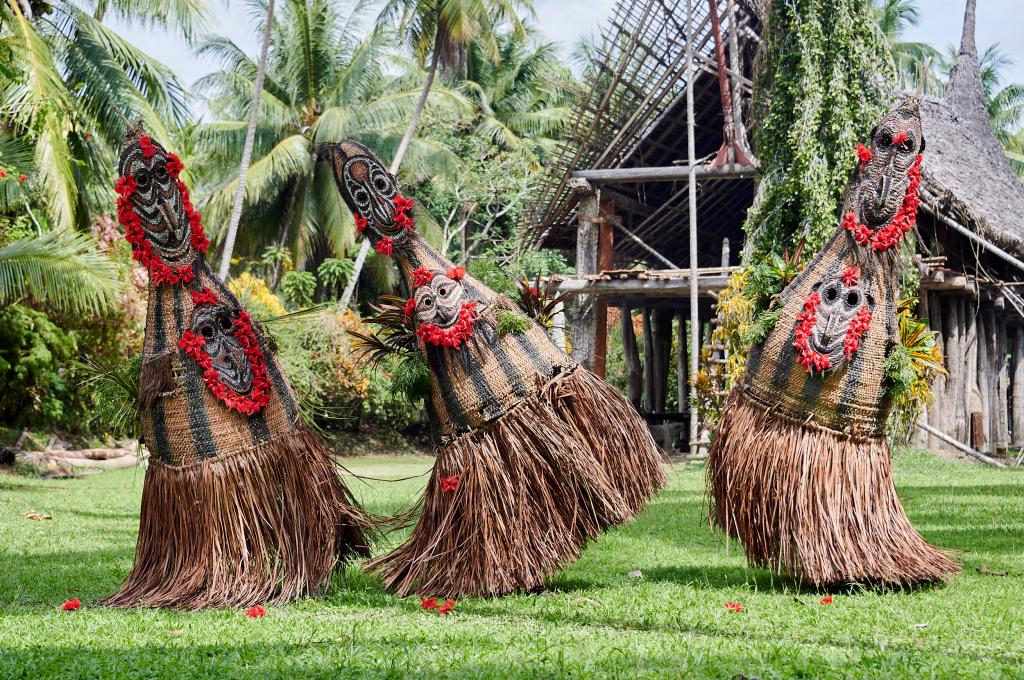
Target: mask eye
x: 443, y: 290
x: 852, y: 298
x: 361, y: 197
x: 428, y: 303
x: 206, y: 330
x: 224, y: 321
x: 142, y: 178
x: 160, y: 171
x: 831, y: 294
x: 380, y: 184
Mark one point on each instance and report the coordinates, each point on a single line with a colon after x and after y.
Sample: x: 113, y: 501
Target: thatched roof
x: 965, y: 167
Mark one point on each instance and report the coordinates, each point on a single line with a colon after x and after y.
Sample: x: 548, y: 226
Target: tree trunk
x: 285, y: 227
x: 937, y: 408
x: 650, y: 398
x: 250, y: 140
x: 970, y: 364
x: 1001, y: 438
x: 984, y: 377
x: 1018, y: 387
x: 954, y: 386
x: 396, y: 162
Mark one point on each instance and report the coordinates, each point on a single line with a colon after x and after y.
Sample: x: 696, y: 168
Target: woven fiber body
x: 241, y: 503
x: 799, y: 469
x: 535, y: 455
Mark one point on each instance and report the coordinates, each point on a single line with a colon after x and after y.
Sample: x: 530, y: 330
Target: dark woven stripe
x: 258, y: 427
x: 161, y: 446
x: 518, y: 381
x: 198, y: 421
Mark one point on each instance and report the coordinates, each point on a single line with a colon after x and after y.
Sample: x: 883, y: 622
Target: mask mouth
x: 234, y: 372
x: 880, y: 203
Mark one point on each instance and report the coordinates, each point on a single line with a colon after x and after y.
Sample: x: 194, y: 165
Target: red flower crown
x: 142, y: 250
x: 195, y: 346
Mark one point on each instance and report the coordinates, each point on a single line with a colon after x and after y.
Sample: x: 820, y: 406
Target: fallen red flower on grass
x: 734, y: 607
x: 446, y: 607
x: 428, y: 602
x: 71, y: 605
x: 256, y: 612
x: 826, y: 600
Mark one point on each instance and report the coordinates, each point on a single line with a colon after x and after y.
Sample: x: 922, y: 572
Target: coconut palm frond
x: 61, y: 269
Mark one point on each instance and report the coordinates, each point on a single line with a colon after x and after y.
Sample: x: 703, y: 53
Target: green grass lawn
x: 594, y: 621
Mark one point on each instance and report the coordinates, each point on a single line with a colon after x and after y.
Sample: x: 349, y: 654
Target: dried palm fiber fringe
x: 799, y: 469
x: 534, y: 481
x: 241, y: 504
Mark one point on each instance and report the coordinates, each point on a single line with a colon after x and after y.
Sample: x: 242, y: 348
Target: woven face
x: 841, y: 315
x: 884, y: 178
x: 439, y: 302
x: 216, y: 325
x: 157, y: 199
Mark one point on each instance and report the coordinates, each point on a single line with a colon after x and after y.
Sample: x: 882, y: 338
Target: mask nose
x: 885, y: 186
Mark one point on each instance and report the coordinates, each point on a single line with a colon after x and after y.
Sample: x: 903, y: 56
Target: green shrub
x: 34, y: 358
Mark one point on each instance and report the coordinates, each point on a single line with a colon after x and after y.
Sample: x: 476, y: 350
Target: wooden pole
x: 634, y: 376
x: 961, y: 447
x: 1018, y: 387
x: 682, y: 385
x: 663, y: 354
x: 584, y: 339
x: 935, y: 411
x: 985, y: 351
x: 649, y: 396
x: 1001, y: 438
x: 605, y: 244
x: 692, y: 200
x: 954, y: 387
x: 969, y: 370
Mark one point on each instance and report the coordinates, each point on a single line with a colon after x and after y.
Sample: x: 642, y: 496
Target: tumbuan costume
x: 535, y: 454
x: 241, y: 503
x: 800, y: 469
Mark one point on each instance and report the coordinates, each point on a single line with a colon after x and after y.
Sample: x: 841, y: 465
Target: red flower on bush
x: 449, y: 484
x: 534, y: 293
x: 3, y: 173
x: 22, y: 178
x: 826, y: 600
x: 735, y: 607
x: 71, y: 605
x: 428, y: 602
x: 256, y: 612
x: 385, y: 246
x: 446, y: 607
x: 456, y: 273
x: 421, y: 277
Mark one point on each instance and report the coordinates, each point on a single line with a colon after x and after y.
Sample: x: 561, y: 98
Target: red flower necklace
x: 904, y: 220
x: 385, y: 246
x: 454, y: 335
x: 195, y: 346
x: 808, y: 358
x: 142, y: 249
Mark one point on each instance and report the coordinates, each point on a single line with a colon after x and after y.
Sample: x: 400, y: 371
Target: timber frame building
x: 654, y: 180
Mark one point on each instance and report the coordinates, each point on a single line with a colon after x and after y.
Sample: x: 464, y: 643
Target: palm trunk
x: 250, y: 140
x: 403, y: 146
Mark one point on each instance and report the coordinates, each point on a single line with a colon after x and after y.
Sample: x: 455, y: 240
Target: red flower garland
x: 851, y: 275
x: 410, y: 306
x: 195, y: 346
x: 360, y: 221
x: 142, y: 250
x: 858, y: 327
x: 453, y: 336
x: 384, y: 246
x: 904, y: 220
x: 899, y: 137
x: 808, y: 358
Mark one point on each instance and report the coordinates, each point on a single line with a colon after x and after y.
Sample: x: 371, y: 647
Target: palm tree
x: 912, y: 59
x: 522, y: 97
x: 323, y: 82
x: 444, y: 30
x: 250, y: 139
x: 67, y: 82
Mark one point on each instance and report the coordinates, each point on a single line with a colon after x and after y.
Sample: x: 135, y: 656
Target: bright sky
x: 565, y: 21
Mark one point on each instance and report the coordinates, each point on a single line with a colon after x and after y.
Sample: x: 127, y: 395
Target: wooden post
x: 605, y: 244
x: 682, y: 379
x: 725, y: 252
x: 584, y: 337
x: 634, y: 376
x: 692, y: 205
x: 649, y: 388
x: 970, y: 367
x: 936, y: 410
x: 985, y: 351
x: 954, y: 385
x: 1018, y: 387
x: 663, y: 355
x: 1001, y: 438
x: 920, y: 436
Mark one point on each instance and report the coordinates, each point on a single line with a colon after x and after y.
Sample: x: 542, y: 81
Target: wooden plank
x: 669, y: 173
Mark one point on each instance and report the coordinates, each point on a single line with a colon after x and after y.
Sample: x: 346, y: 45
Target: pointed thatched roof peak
x: 964, y: 92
